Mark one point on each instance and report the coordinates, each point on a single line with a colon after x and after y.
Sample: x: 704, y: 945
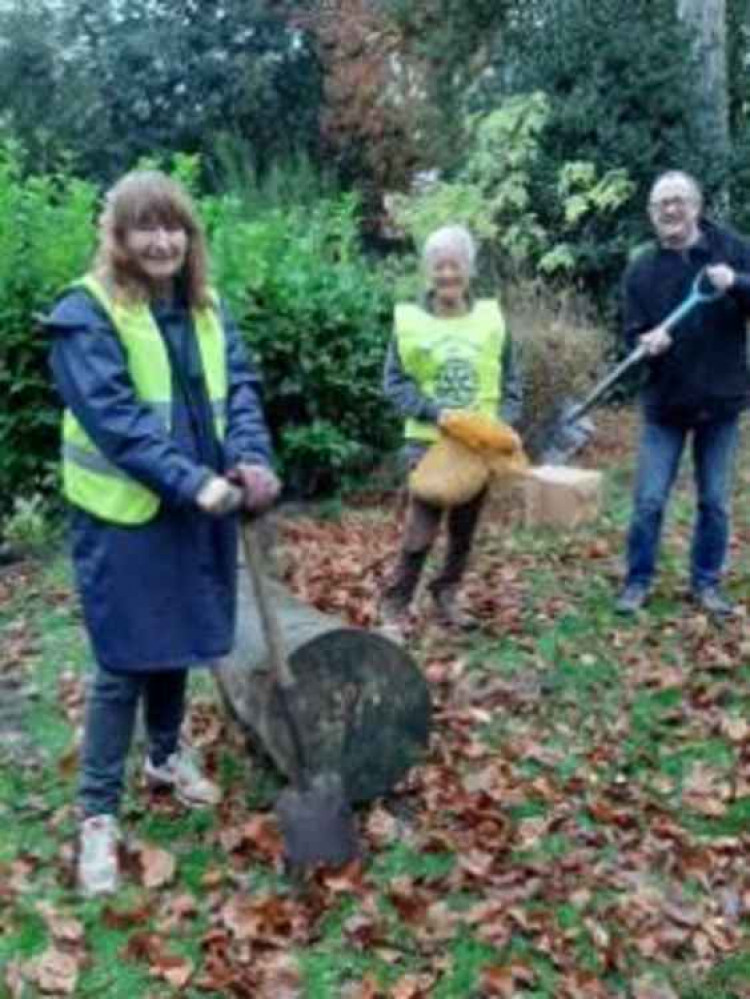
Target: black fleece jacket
x: 704, y: 374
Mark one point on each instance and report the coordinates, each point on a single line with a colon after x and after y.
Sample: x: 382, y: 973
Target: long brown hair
x: 145, y: 197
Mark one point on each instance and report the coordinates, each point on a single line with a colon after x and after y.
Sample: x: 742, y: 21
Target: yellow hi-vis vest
x: 456, y: 361
x: 92, y: 482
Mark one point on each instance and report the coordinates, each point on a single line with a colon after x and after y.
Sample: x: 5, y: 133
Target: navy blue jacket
x: 161, y: 595
x: 704, y: 374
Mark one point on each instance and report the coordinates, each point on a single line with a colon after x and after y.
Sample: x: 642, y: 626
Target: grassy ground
x: 580, y: 828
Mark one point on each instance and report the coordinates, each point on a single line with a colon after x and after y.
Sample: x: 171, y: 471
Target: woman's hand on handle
x: 260, y: 487
x: 218, y: 497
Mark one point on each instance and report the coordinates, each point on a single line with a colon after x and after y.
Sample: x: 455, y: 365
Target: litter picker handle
x: 269, y: 620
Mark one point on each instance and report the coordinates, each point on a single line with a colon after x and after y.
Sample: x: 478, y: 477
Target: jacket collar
x: 427, y: 302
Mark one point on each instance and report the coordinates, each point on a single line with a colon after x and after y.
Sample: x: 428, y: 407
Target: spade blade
x: 568, y: 434
x: 317, y: 824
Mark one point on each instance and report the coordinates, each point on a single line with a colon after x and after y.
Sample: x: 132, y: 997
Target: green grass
x: 596, y: 727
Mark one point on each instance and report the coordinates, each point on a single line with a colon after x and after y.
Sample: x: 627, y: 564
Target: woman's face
x: 449, y: 278
x: 159, y: 250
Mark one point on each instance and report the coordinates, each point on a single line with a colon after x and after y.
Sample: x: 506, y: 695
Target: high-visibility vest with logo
x: 90, y: 480
x: 456, y: 361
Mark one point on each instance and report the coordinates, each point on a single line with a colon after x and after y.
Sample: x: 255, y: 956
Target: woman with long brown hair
x: 162, y: 426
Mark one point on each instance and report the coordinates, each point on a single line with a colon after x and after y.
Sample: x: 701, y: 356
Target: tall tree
x: 30, y: 99
x: 375, y: 119
x: 619, y: 81
x: 175, y: 75
x: 112, y: 80
x: 707, y: 21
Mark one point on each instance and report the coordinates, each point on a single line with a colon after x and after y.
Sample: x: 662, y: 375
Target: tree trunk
x: 708, y: 21
x: 363, y: 706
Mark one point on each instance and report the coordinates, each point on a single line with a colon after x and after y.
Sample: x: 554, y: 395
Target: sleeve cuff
x: 195, y: 481
x: 233, y: 460
x: 510, y: 413
x: 430, y: 412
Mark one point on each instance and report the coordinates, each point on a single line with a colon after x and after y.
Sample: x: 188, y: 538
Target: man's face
x: 158, y: 250
x: 449, y: 278
x: 674, y: 209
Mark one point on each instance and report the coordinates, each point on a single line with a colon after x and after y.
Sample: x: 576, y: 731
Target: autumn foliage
x: 373, y: 117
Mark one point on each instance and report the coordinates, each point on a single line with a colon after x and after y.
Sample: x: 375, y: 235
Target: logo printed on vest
x: 457, y: 383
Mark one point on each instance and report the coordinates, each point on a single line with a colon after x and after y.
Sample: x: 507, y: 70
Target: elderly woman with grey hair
x: 450, y: 351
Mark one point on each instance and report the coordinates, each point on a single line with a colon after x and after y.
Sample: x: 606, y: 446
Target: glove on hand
x: 259, y: 485
x: 219, y: 497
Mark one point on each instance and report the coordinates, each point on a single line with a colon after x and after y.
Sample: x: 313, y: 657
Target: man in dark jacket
x: 697, y: 383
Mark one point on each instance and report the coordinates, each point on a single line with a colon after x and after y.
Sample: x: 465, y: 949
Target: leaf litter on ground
x: 580, y: 826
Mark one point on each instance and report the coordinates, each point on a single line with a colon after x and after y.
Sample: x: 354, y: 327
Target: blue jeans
x: 661, y: 447
x: 111, y: 706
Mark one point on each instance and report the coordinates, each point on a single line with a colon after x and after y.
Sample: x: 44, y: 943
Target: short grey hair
x: 679, y: 175
x: 455, y: 240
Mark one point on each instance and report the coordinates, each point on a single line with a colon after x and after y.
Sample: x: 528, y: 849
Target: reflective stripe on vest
x: 454, y: 361
x: 90, y: 480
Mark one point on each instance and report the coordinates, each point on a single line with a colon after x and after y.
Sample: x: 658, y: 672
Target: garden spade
x: 315, y: 817
x: 570, y: 431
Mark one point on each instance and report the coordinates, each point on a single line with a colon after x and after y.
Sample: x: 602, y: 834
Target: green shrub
x: 560, y: 349
x: 46, y: 239
x: 614, y: 102
x: 32, y: 527
x: 493, y: 194
x: 317, y: 315
x: 315, y: 312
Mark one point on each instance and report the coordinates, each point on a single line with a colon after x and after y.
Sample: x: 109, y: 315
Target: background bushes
x: 46, y: 239
x: 317, y: 314
x: 313, y: 309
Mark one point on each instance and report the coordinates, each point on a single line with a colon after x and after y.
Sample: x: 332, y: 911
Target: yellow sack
x: 497, y: 443
x: 504, y: 466
x: 449, y: 474
x: 481, y: 432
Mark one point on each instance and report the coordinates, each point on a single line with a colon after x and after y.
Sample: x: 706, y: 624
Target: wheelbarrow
x: 570, y: 430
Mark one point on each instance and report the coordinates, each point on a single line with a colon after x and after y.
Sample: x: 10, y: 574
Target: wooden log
x: 363, y: 705
x: 558, y: 496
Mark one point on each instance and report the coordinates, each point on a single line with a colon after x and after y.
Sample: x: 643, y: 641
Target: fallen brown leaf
x: 647, y: 988
x: 176, y: 971
x: 158, y: 867
x: 56, y: 973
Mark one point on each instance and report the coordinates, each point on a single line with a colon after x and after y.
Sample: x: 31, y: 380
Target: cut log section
x: 363, y: 705
x: 558, y: 496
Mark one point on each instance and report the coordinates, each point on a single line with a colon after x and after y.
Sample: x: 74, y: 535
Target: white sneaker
x: 180, y: 772
x: 98, y: 869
